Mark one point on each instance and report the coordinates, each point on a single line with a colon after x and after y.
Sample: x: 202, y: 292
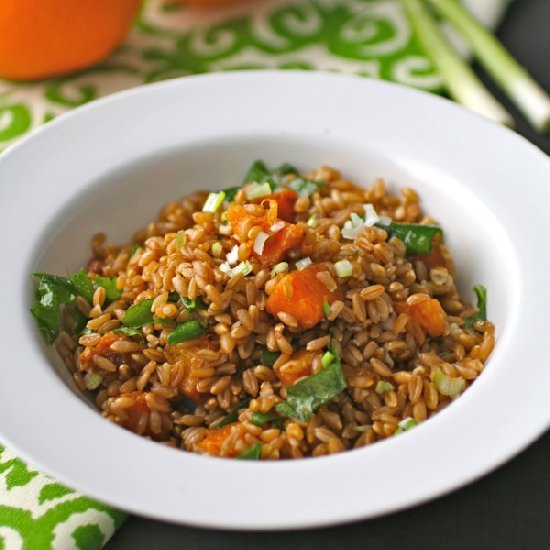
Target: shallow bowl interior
x: 111, y: 166
x: 129, y: 197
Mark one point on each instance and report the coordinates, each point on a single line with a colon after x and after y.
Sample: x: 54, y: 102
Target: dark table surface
x: 508, y: 509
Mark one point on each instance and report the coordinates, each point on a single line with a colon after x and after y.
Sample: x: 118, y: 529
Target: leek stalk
x: 514, y: 80
x: 463, y: 85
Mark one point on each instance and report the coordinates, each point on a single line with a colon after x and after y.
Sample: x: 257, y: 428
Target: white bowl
x: 111, y: 165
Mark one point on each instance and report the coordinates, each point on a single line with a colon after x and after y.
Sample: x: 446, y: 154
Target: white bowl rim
x: 299, y: 503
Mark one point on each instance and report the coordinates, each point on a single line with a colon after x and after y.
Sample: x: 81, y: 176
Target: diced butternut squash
x: 429, y: 315
x: 299, y: 365
x: 103, y: 348
x: 277, y: 246
x: 286, y: 201
x: 302, y: 294
x: 212, y: 443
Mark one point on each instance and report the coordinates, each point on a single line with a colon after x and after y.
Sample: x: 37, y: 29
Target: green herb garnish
x: 417, y: 237
x: 268, y: 358
x: 327, y: 309
x: 382, y: 387
x: 309, y: 394
x: 233, y: 415
x: 260, y: 418
x: 139, y: 315
x: 185, y: 331
x: 134, y: 249
x: 52, y: 291
x: 253, y: 453
x: 231, y: 193
x: 481, y: 315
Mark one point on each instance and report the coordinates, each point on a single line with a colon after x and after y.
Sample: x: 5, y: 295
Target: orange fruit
x: 43, y: 38
x: 208, y: 3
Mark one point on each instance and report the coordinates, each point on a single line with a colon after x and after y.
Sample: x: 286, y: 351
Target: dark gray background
x: 509, y: 509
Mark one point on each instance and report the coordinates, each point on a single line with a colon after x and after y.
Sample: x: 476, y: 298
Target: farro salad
x: 294, y: 315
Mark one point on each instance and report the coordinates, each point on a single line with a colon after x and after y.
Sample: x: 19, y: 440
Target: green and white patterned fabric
x: 369, y: 38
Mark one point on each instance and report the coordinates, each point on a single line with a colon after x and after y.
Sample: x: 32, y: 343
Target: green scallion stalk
x: 461, y: 81
x: 526, y: 94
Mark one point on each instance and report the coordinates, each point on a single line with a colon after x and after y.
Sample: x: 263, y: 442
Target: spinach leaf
x: 481, y: 315
x: 417, y: 237
x: 185, y: 331
x: 52, y: 291
x: 184, y: 404
x: 258, y: 172
x: 260, y: 418
x: 109, y: 284
x: 253, y: 453
x: 269, y: 357
x: 82, y: 284
x: 233, y: 415
x: 139, y: 315
x: 85, y: 287
x: 230, y: 193
x: 309, y: 394
x: 285, y: 169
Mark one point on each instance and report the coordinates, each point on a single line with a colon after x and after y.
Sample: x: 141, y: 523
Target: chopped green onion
x: 129, y: 331
x: 92, y: 381
x: 253, y: 453
x: 213, y: 202
x: 260, y: 418
x: 365, y: 428
x: 528, y: 96
x: 281, y: 267
x: 192, y: 304
x: 244, y: 269
x: 382, y: 387
x: 276, y: 227
x: 406, y: 425
x: 481, y: 315
x: 343, y: 268
x: 461, y: 81
x: 216, y: 249
x: 259, y: 243
x: 134, y: 249
x: 181, y: 239
x: 257, y: 190
x: 304, y: 187
x: 313, y: 221
x: 223, y: 216
x: 446, y: 385
x: 269, y: 357
x: 327, y: 359
x: 303, y: 263
x: 371, y: 217
x: 327, y: 309
x: 185, y: 331
x: 233, y: 256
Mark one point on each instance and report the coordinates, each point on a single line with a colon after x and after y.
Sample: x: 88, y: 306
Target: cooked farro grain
x: 292, y: 317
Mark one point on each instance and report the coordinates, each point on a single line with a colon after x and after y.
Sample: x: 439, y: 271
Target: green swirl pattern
x: 38, y: 513
x: 367, y: 38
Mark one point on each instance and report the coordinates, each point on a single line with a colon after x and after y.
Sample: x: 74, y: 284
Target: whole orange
x: 42, y: 38
x: 208, y: 3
